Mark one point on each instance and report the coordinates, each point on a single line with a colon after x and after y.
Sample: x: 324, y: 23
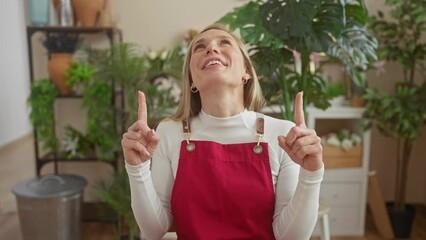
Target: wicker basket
x: 337, y: 157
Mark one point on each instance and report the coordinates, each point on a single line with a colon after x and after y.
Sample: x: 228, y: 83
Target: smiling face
x: 216, y: 61
x: 190, y: 104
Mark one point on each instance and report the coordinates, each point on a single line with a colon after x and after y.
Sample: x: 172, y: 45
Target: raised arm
x: 139, y: 144
x: 297, y: 198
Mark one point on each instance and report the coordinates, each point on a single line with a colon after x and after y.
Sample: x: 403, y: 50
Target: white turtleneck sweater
x: 296, y: 189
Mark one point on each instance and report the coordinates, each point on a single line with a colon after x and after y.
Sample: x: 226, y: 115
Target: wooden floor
x: 94, y: 230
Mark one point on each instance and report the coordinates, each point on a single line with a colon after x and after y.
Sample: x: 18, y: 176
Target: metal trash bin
x: 49, y: 206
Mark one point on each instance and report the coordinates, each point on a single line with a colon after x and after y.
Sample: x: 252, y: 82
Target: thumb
x: 153, y: 141
x: 282, y: 143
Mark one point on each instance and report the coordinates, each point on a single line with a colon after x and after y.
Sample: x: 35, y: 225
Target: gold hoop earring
x: 194, y: 89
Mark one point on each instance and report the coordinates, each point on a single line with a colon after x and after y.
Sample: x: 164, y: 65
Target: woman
x: 221, y: 170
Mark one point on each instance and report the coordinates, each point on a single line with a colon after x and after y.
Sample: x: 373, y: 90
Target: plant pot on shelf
x: 357, y: 96
x: 58, y: 65
x: 88, y: 11
x: 38, y: 12
x: 355, y: 91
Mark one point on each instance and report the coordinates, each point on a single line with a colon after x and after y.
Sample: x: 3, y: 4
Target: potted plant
x: 60, y: 47
x: 101, y: 72
x: 283, y: 33
x: 41, y: 100
x: 115, y: 192
x: 123, y: 66
x: 155, y: 74
x: 78, y: 75
x: 401, y: 114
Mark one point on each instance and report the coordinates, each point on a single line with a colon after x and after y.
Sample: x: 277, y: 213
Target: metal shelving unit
x: 113, y: 35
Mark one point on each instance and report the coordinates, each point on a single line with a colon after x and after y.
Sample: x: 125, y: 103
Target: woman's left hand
x: 301, y: 143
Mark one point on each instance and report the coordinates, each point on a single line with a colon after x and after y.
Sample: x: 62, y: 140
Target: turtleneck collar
x: 241, y: 119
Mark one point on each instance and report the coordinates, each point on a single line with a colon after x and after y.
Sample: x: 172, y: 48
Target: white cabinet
x: 345, y: 189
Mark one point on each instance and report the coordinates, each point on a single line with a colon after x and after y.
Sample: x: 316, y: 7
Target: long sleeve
x: 153, y: 219
x: 151, y: 184
x: 296, y: 189
x: 297, y: 202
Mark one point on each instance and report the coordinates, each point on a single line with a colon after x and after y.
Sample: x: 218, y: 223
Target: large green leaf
x: 246, y: 19
x: 356, y: 14
x: 355, y: 48
x: 304, y: 25
x: 268, y: 60
x: 326, y: 26
x: 289, y: 18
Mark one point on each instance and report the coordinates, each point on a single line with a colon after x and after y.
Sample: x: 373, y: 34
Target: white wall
x: 159, y: 24
x: 14, y: 73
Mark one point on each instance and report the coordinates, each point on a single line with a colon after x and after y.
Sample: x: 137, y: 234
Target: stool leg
x: 324, y: 227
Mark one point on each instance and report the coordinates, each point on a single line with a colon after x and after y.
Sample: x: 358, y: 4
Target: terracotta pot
x: 58, y: 65
x: 88, y: 11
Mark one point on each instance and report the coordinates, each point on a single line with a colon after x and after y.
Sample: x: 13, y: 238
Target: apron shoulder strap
x: 187, y: 133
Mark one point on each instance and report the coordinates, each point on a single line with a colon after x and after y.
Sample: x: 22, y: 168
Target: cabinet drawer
x: 341, y: 194
x: 345, y: 221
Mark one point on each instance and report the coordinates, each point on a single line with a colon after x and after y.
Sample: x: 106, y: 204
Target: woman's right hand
x: 140, y: 141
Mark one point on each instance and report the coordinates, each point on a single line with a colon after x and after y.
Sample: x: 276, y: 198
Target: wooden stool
x: 324, y: 209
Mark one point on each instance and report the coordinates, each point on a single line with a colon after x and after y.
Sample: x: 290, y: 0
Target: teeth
x: 213, y: 62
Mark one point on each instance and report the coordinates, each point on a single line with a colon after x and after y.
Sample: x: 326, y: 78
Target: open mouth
x: 213, y: 62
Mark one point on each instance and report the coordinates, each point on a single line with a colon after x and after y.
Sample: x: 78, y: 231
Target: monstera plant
x: 284, y: 32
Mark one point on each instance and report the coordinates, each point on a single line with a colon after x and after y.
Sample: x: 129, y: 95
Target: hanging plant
x: 100, y: 125
x: 41, y: 100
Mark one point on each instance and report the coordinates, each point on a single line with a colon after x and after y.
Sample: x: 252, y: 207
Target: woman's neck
x: 222, y: 104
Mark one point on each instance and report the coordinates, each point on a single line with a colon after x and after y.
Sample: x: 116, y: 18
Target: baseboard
x: 16, y: 142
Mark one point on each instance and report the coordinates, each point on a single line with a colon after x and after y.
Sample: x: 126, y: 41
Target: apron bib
x: 223, y: 191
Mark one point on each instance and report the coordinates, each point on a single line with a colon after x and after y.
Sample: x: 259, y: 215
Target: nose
x: 212, y: 48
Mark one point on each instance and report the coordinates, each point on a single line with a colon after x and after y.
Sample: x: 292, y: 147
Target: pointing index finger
x: 299, y: 115
x: 142, y: 112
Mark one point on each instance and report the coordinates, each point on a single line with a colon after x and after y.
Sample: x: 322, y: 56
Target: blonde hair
x: 190, y: 103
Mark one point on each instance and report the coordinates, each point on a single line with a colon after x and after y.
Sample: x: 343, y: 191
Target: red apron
x: 223, y: 191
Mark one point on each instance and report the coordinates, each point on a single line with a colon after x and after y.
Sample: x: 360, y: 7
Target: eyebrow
x: 220, y: 36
